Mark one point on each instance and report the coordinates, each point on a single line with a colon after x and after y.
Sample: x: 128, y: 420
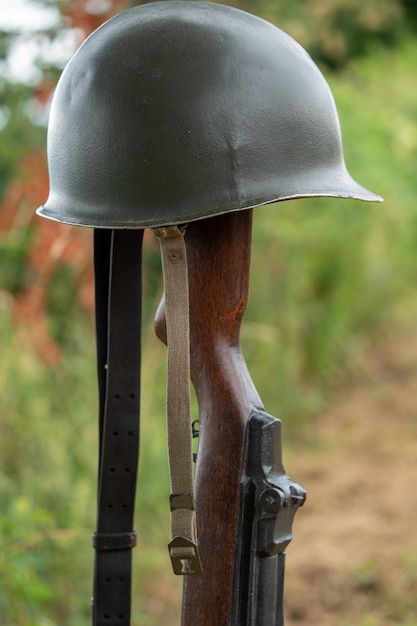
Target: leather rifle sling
x: 117, y: 266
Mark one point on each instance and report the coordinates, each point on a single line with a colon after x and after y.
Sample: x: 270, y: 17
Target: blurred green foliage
x: 333, y: 278
x: 336, y: 32
x: 18, y: 133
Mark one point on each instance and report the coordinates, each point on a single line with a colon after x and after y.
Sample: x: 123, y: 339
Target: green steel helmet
x: 179, y: 110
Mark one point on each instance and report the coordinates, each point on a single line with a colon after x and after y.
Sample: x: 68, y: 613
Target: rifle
x: 245, y: 502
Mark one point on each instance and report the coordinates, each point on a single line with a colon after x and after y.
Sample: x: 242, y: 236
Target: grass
x: 331, y: 281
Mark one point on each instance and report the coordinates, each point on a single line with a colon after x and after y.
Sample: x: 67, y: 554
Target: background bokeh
x: 329, y: 337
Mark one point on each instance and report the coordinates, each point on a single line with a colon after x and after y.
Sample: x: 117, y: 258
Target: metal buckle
x: 184, y: 557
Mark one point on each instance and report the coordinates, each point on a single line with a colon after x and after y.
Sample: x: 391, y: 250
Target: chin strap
x: 183, y: 546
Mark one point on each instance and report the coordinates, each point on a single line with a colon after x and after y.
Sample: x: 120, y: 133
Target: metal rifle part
x: 268, y: 504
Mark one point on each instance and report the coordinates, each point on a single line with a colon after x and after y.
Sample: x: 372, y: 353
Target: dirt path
x: 353, y: 560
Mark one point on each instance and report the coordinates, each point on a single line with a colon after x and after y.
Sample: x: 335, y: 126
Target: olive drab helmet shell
x: 179, y: 110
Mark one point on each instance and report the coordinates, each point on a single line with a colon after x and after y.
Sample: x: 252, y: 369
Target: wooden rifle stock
x: 218, y: 252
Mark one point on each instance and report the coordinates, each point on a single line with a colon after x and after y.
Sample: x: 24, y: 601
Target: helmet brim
x: 344, y: 187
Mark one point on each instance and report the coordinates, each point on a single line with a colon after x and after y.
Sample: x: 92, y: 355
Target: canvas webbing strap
x: 183, y: 546
x: 117, y: 265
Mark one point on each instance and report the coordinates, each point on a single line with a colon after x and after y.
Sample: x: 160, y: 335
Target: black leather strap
x: 117, y: 265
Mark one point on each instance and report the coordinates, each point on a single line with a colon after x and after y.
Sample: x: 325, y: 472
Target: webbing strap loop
x: 183, y: 547
x: 105, y: 542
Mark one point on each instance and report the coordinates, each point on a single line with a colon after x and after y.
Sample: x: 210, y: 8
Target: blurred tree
x: 410, y: 10
x: 24, y: 101
x: 333, y: 32
x: 33, y: 251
